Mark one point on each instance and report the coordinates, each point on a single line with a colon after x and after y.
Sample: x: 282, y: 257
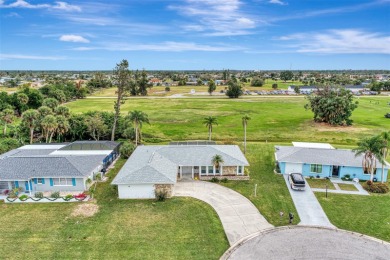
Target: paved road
x: 299, y: 242
x: 309, y: 209
x: 238, y: 215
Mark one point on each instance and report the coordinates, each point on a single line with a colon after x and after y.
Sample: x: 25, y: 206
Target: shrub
x: 214, y: 179
x: 68, y: 197
x: 318, y: 176
x: 224, y: 180
x: 38, y: 195
x: 275, y: 86
x: 347, y: 176
x: 376, y: 187
x: 14, y: 192
x: 127, y: 149
x: 161, y: 195
x: 23, y: 197
x: 246, y: 172
x: 311, y: 177
x: 167, y: 89
x: 55, y: 195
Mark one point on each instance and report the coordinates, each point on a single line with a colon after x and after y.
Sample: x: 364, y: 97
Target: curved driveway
x: 238, y: 215
x: 300, y: 242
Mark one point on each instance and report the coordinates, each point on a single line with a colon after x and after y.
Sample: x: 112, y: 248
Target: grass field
x: 179, y: 228
x: 349, y: 187
x: 279, y: 119
x: 369, y: 215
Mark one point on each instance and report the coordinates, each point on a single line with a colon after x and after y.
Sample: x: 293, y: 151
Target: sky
x: 195, y: 34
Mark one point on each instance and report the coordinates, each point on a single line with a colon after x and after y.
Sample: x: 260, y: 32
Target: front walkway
x: 309, y: 209
x: 238, y: 215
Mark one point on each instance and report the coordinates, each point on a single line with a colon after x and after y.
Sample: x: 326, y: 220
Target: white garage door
x: 139, y: 191
x: 293, y: 167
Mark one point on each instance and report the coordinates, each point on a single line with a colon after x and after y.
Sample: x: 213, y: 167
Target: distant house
x: 313, y: 159
x: 55, y: 167
x: 159, y: 167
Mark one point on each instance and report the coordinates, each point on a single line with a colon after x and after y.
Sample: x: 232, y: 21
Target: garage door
x: 139, y: 191
x: 4, y: 185
x: 293, y: 167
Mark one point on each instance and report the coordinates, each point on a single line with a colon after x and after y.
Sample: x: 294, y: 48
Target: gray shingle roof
x: 159, y: 163
x: 319, y: 156
x: 24, y: 168
x: 91, y: 145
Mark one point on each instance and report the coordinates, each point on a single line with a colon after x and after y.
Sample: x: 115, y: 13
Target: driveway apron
x: 238, y: 215
x: 309, y: 209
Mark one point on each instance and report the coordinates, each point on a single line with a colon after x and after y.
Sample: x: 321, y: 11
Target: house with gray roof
x: 159, y: 167
x: 55, y: 167
x: 322, y: 160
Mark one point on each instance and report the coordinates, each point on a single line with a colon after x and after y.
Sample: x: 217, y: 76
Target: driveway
x: 300, y: 242
x: 238, y: 215
x: 309, y: 209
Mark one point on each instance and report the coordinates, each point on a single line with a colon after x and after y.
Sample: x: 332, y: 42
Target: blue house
x: 322, y: 160
x: 55, y: 167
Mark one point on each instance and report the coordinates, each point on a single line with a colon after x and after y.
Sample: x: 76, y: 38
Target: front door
x: 335, y: 171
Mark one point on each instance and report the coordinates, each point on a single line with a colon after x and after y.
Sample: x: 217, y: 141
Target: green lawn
x: 349, y: 187
x: 320, y: 183
x: 278, y: 119
x: 180, y: 228
x: 272, y: 193
x: 369, y: 215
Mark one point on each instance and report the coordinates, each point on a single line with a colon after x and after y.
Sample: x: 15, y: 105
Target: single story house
x: 159, y: 167
x: 55, y: 167
x: 322, y: 160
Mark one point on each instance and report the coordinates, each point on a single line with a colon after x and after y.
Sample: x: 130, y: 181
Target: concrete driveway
x: 238, y: 215
x: 309, y: 209
x: 300, y: 242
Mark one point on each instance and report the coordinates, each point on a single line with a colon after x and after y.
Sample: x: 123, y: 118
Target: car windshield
x: 297, y: 178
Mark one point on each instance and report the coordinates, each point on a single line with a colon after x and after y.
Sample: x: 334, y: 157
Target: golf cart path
x: 238, y: 215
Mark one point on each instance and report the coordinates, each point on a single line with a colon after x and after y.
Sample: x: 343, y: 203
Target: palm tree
x: 372, y: 148
x: 138, y: 118
x: 217, y: 161
x: 385, y: 151
x: 30, y: 119
x: 245, y: 120
x: 49, y: 125
x: 209, y: 122
x: 7, y: 117
x: 62, y: 126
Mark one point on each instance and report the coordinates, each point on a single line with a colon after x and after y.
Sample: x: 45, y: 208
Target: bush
x: 23, y: 197
x: 246, y: 172
x: 161, y: 195
x: 55, y: 195
x: 38, y: 195
x: 224, y: 180
x: 274, y: 86
x: 167, y: 89
x: 214, y: 179
x: 311, y: 177
x: 127, y: 149
x: 68, y: 197
x: 257, y: 82
x: 376, y: 187
x: 14, y: 192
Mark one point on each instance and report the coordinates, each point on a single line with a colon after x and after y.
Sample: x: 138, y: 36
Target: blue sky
x: 195, y: 34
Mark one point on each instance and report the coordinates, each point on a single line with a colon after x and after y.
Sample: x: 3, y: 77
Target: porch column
x: 192, y: 171
x: 220, y: 170
x: 181, y: 172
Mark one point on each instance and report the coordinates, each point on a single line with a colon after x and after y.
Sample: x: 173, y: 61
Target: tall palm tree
x: 49, y: 125
x: 245, y: 120
x: 371, y: 148
x: 138, y: 118
x: 30, y: 119
x: 62, y: 126
x: 209, y: 122
x: 7, y: 117
x: 385, y: 151
x: 217, y: 161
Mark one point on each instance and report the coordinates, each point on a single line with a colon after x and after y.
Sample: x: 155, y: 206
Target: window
x: 365, y: 171
x: 217, y: 170
x: 211, y: 169
x: 203, y: 170
x: 62, y: 181
x: 40, y: 181
x: 239, y: 169
x: 316, y: 168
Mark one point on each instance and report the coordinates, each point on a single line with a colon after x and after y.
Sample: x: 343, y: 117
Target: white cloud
x: 278, y: 2
x: 57, y: 6
x: 12, y: 14
x: 28, y: 57
x: 73, y: 38
x: 340, y: 41
x: 216, y: 17
x: 168, y: 46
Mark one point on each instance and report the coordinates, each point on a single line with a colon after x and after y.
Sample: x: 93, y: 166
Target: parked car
x: 297, y: 181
